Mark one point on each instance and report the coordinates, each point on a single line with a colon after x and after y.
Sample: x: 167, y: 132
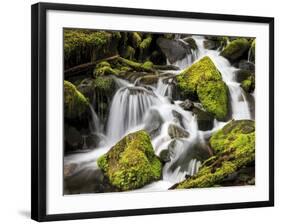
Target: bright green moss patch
x: 201, y: 71
x: 131, y: 163
x: 75, y: 103
x: 234, y: 147
x: 235, y: 49
x: 214, y: 97
x: 203, y: 80
x: 222, y: 139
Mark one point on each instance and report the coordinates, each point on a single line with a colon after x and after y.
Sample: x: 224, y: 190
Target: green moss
x: 75, y: 103
x: 104, y: 68
x: 136, y: 39
x: 146, y: 42
x: 129, y: 53
x: 235, y: 49
x: 214, y: 97
x: 201, y: 71
x: 104, y: 84
x: 222, y: 139
x: 147, y: 66
x: 131, y: 163
x: 249, y: 84
x: 77, y: 41
x: 234, y: 147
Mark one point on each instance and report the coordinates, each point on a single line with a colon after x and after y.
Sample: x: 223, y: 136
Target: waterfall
x: 239, y: 105
x: 95, y: 125
x: 164, y: 89
x: 127, y: 110
x: 136, y: 107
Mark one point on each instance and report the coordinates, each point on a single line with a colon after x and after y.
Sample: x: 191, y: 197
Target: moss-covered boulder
x: 75, y: 103
x: 214, y: 97
x: 131, y: 163
x: 234, y: 148
x: 203, y: 81
x: 200, y: 71
x: 235, y: 49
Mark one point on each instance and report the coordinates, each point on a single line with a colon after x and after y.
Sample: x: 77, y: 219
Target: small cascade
x: 164, y: 89
x: 127, y: 110
x: 239, y: 105
x: 95, y: 125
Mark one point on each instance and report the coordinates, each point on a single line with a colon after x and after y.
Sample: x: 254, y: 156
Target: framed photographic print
x: 139, y: 111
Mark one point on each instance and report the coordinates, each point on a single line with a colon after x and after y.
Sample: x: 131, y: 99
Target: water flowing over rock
x: 153, y: 123
x: 128, y: 109
x: 177, y: 132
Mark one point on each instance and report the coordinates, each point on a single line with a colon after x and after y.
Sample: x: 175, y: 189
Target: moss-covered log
x: 234, y: 147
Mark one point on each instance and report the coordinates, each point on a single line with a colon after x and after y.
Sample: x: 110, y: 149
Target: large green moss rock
x: 203, y: 80
x: 75, y: 103
x: 234, y: 148
x: 235, y: 49
x: 214, y: 97
x: 201, y: 71
x: 131, y: 163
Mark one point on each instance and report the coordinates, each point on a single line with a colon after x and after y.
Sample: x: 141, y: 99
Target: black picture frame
x: 38, y: 108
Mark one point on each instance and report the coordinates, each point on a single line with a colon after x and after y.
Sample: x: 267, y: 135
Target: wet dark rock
x: 174, y: 50
x: 153, y: 123
x: 87, y: 180
x: 175, y: 131
x: 69, y: 169
x: 210, y: 44
x: 187, y: 105
x: 247, y: 65
x: 191, y: 42
x: 178, y: 117
x: 165, y: 156
x: 242, y: 75
x: 205, y: 120
x: 72, y: 138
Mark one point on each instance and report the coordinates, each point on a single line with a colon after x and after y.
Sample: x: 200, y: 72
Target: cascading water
x: 127, y: 110
x: 133, y: 107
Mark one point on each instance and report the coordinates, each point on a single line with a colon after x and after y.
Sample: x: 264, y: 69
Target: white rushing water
x: 132, y: 104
